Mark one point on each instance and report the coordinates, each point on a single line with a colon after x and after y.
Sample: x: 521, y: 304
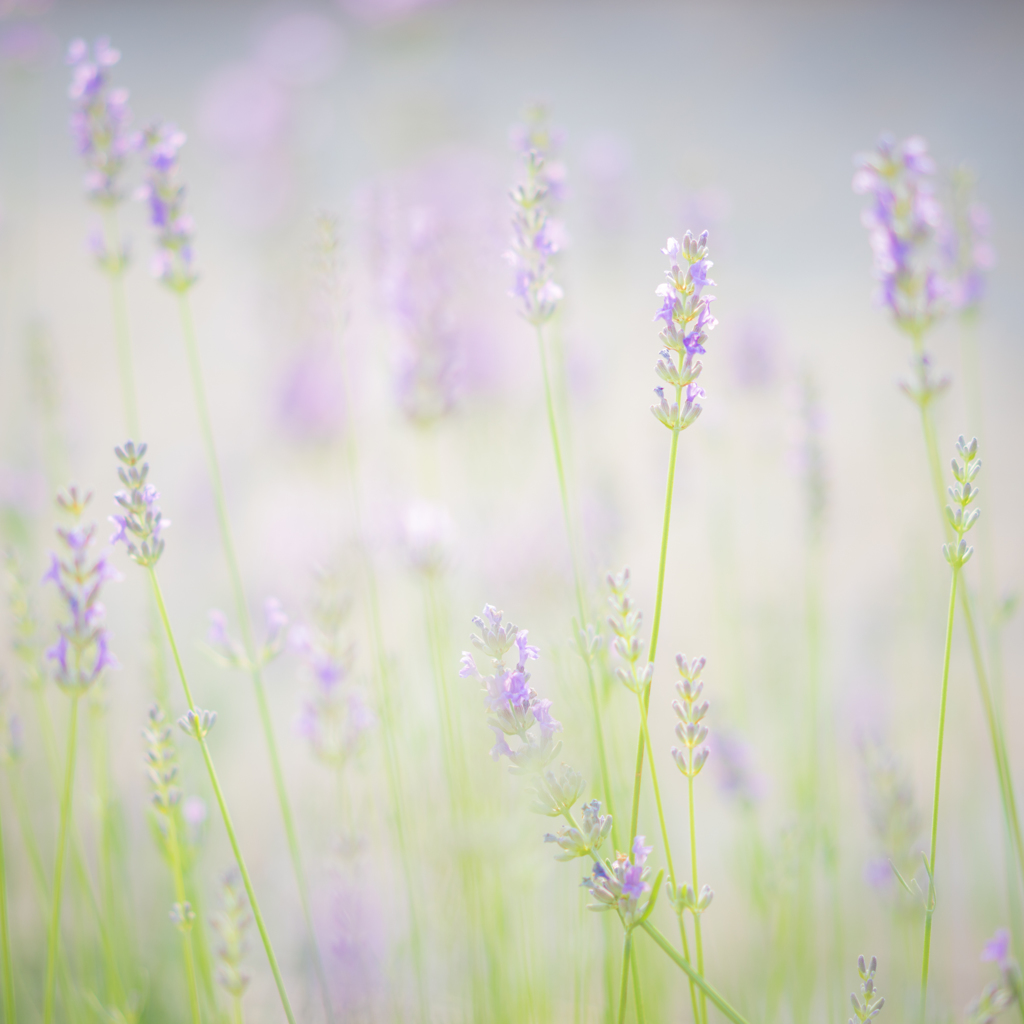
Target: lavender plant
x: 140, y: 525
x: 870, y: 1003
x: 231, y: 923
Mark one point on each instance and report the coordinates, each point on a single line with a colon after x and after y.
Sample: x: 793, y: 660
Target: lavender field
x: 510, y: 512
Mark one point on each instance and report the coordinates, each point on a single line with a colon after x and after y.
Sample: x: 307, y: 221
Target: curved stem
x: 221, y: 803
x: 50, y: 991
x: 698, y: 979
x: 563, y: 488
x: 242, y: 607
x: 174, y: 851
x: 930, y: 904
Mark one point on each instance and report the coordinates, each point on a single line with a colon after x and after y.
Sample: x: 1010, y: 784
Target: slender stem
x: 657, y: 792
x: 174, y: 851
x: 705, y: 986
x: 563, y: 488
x: 627, y: 946
x: 5, y: 939
x: 686, y: 953
x: 930, y: 905
x: 236, y: 1010
x: 693, y: 865
x: 638, y: 999
x: 122, y: 338
x: 218, y: 793
x: 266, y: 719
x: 58, y: 872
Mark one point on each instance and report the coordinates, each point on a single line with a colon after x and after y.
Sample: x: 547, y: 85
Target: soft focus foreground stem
x: 693, y: 865
x: 242, y: 608
x: 174, y: 852
x: 930, y: 902
x: 122, y: 338
x: 229, y: 827
x: 706, y: 987
x: 5, y: 939
x: 627, y: 947
x: 58, y: 871
x: 563, y: 488
x: 638, y: 999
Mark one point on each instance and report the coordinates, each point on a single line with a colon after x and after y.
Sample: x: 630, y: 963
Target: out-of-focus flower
x: 623, y: 885
x: 606, y: 165
x: 586, y: 840
x: 625, y: 622
x: 82, y: 652
x: 733, y: 766
x: 965, y: 245
x: 537, y: 135
x: 536, y: 237
x: 311, y: 396
x: 377, y: 11
x: 231, y: 925
x: 165, y: 197
x: 690, y: 710
x: 243, y: 110
x: 902, y: 221
x: 997, y: 949
x: 140, y: 523
x: 12, y: 733
x: 756, y: 351
x: 428, y: 536
x: 100, y: 119
x: 25, y: 45
x: 301, y: 48
x: 231, y: 653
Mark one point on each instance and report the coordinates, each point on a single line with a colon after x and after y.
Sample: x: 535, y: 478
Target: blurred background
x: 802, y: 492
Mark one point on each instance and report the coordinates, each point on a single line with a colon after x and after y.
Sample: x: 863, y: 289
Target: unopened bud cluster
x: 690, y: 710
x: 963, y: 492
x: 870, y: 1004
x: 140, y: 522
x: 231, y: 923
x: 625, y: 623
x: 161, y: 762
x: 586, y: 840
x: 197, y: 723
x: 231, y: 653
x: 623, y: 885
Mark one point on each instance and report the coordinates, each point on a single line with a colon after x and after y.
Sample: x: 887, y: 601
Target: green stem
x: 174, y: 851
x: 563, y: 488
x: 50, y: 991
x: 930, y: 905
x: 689, y: 981
x: 122, y: 338
x: 242, y: 607
x: 638, y: 1000
x: 698, y: 979
x: 5, y: 939
x: 627, y: 947
x: 693, y: 864
x: 657, y: 792
x: 218, y: 793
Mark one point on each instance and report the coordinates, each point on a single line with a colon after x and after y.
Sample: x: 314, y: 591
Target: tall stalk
x: 199, y: 732
x: 50, y: 992
x: 242, y: 609
x: 116, y: 267
x: 563, y: 488
x: 5, y: 938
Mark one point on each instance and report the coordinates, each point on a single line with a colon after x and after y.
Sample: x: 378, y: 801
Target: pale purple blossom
x: 82, y: 651
x: 100, y: 119
x: 997, y: 949
x: 164, y: 195
x: 902, y: 221
x: 428, y: 536
x: 140, y: 523
x: 965, y: 245
x: 622, y: 885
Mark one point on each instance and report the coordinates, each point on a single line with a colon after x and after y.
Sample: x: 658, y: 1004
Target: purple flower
x: 140, y: 523
x: 428, y: 536
x: 165, y: 197
x: 623, y: 887
x: 902, y: 221
x: 100, y: 118
x: 82, y: 651
x: 965, y: 245
x: 997, y: 949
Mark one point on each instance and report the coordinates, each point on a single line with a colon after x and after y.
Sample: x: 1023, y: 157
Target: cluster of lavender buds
x: 623, y: 885
x: 27, y: 648
x: 231, y: 923
x: 902, y: 221
x: 690, y: 710
x: 230, y: 653
x: 428, y: 536
x: 161, y: 762
x: 965, y: 245
x: 997, y: 996
x: 870, y: 1004
x: 538, y: 136
x: 11, y: 728
x: 686, y: 312
x: 140, y: 523
x: 165, y: 196
x: 83, y: 651
x: 535, y: 240
x: 625, y: 624
x: 926, y: 384
x: 963, y: 492
x: 334, y: 717
x: 514, y: 706
x: 99, y: 119
x: 197, y: 723
x: 585, y: 840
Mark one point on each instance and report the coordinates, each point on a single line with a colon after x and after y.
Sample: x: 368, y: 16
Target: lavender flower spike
x: 165, y: 196
x: 100, y: 118
x: 686, y: 313
x: 965, y: 245
x: 82, y: 652
x: 140, y: 523
x: 534, y: 243
x: 902, y: 221
x: 623, y: 885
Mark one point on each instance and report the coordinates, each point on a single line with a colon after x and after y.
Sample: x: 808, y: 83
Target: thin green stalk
x: 693, y: 863
x: 5, y: 939
x: 218, y: 793
x: 563, y: 488
x: 236, y: 1010
x: 638, y: 999
x: 50, y: 991
x: 627, y: 948
x: 930, y: 904
x: 122, y: 338
x: 174, y: 851
x: 695, y: 976
x: 242, y: 607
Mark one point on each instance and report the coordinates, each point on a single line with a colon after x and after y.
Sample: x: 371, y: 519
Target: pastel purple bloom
x: 878, y: 873
x: 140, y: 523
x: 640, y: 852
x: 965, y: 245
x: 100, y: 119
x: 997, y: 949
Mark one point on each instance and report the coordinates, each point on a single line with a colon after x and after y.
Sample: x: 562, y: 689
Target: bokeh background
x: 739, y: 118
